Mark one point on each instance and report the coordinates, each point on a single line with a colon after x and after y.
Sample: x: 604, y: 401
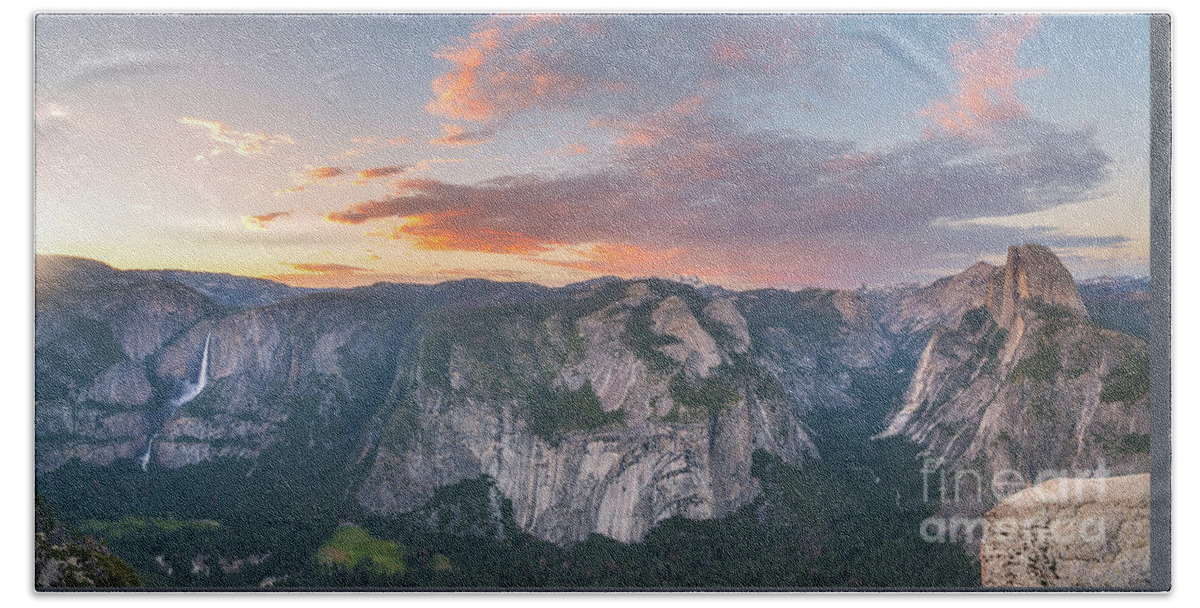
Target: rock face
x: 1032, y: 272
x: 602, y: 407
x: 97, y: 330
x: 917, y: 310
x: 1070, y: 533
x: 628, y: 405
x: 1023, y: 383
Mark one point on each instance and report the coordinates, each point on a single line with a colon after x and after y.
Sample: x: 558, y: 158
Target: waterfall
x: 149, y: 446
x: 190, y: 391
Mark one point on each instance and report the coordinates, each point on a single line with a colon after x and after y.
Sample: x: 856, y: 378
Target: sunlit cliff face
x: 748, y: 151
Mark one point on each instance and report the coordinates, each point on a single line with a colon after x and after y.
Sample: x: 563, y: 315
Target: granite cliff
x: 600, y: 407
x: 1016, y: 379
x: 604, y: 407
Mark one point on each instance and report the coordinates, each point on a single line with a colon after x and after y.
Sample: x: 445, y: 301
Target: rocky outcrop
x: 670, y: 430
x: 1032, y: 273
x: 62, y: 558
x: 693, y: 347
x: 617, y: 483
x: 1023, y: 382
x: 1070, y: 533
x: 724, y: 312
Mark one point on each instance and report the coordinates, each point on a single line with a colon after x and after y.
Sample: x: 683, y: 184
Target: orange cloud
x: 323, y: 173
x: 456, y: 91
x: 989, y: 74
x: 314, y: 175
x: 243, y: 142
x: 327, y: 268
x: 432, y: 232
x: 374, y: 173
x: 308, y: 177
x: 456, y: 136
x: 359, y: 213
x: 485, y: 82
x: 441, y: 232
x: 260, y: 222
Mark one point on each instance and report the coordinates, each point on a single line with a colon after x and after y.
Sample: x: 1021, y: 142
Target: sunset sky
x: 749, y: 151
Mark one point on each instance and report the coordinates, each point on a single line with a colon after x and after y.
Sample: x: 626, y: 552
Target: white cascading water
x: 190, y: 391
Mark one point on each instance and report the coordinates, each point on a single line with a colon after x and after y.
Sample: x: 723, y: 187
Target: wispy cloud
x: 290, y: 190
x: 457, y: 136
x: 375, y: 173
x: 486, y: 81
x: 326, y: 268
x: 331, y: 175
x: 260, y: 222
x: 245, y: 143
x: 318, y: 173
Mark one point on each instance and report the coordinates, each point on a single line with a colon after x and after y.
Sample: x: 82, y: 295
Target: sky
x: 748, y: 151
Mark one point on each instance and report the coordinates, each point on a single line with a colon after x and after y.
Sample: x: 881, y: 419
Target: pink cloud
x: 513, y: 64
x: 501, y: 69
x: 987, y: 64
x: 776, y: 202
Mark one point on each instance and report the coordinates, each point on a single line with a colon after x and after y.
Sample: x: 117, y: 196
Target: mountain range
x: 610, y: 407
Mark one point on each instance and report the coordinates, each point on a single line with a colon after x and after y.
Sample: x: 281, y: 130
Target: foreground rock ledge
x: 1070, y: 533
